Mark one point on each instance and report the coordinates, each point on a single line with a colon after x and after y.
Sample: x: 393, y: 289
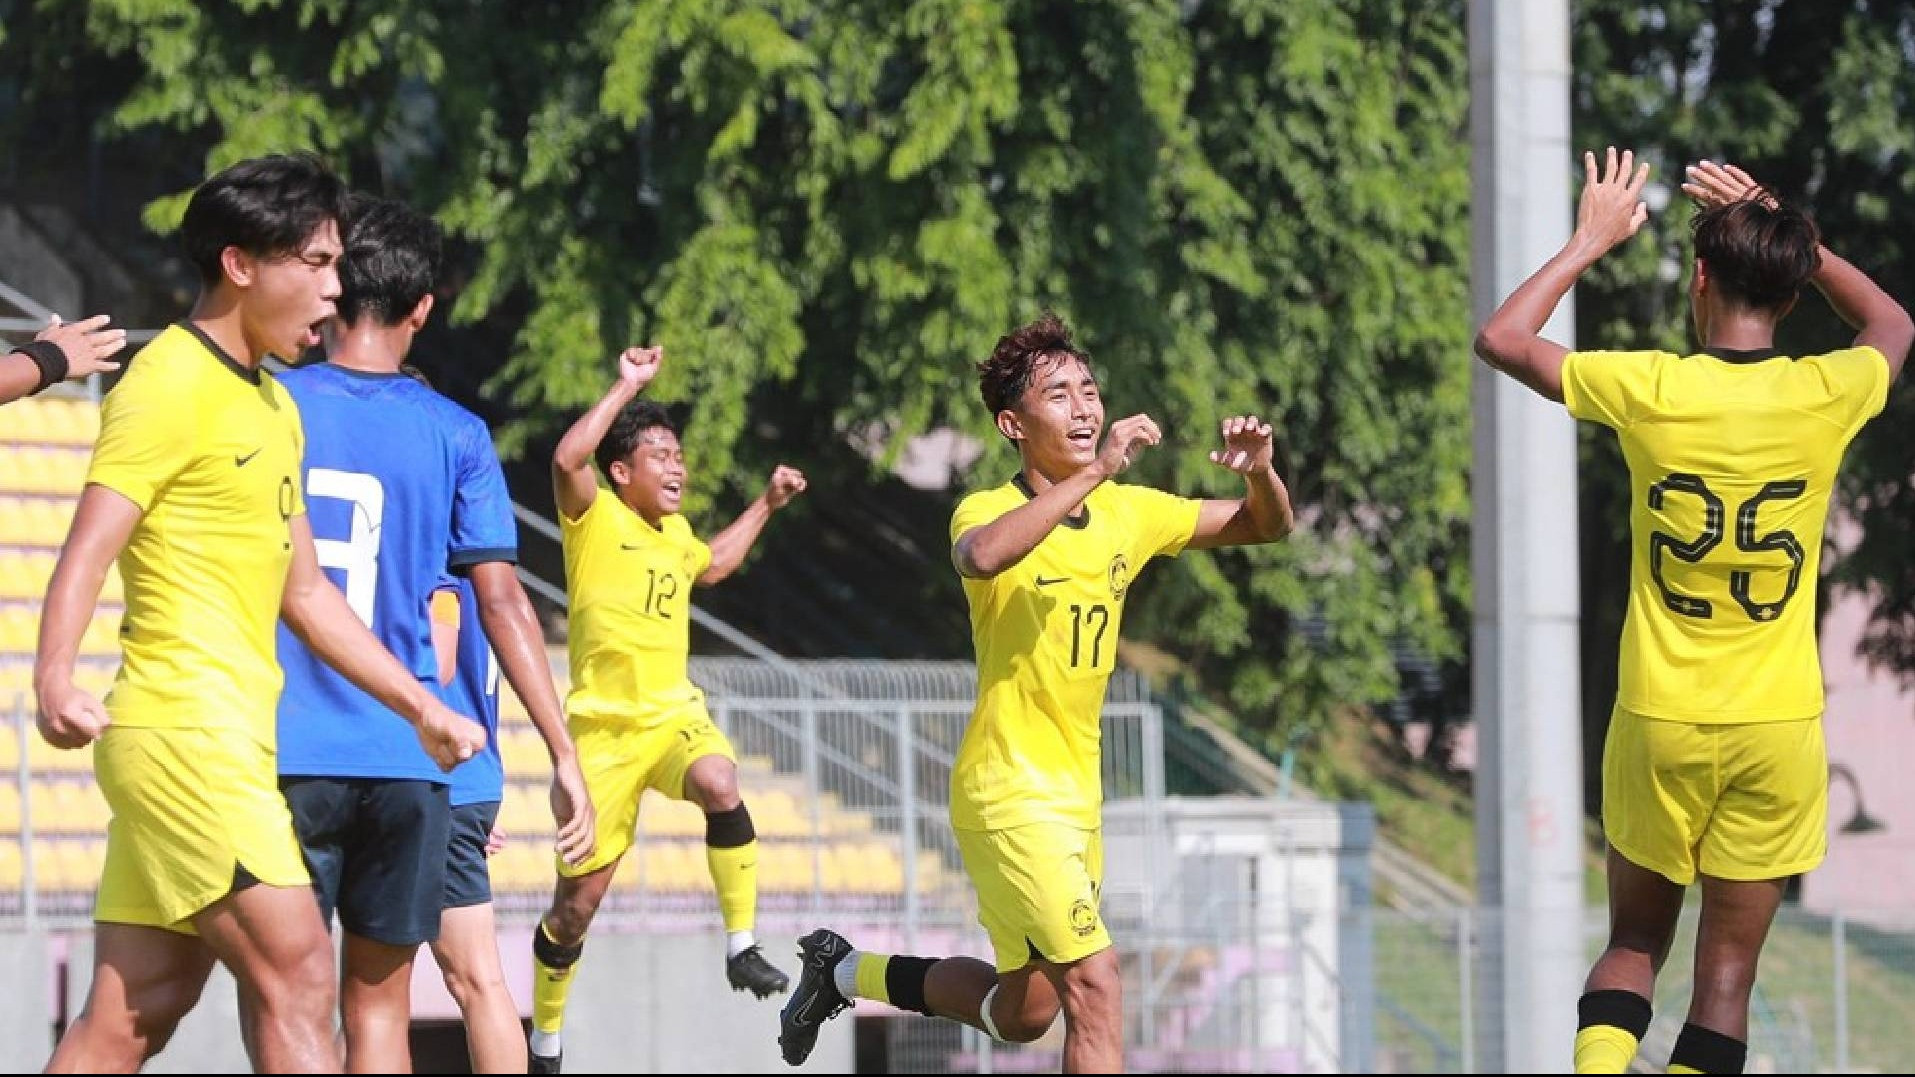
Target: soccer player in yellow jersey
x: 636, y: 717
x: 1047, y: 560
x: 1714, y: 769
x: 194, y: 487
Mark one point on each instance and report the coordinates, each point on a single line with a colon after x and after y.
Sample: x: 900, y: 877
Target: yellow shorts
x: 621, y: 760
x: 189, y: 807
x: 1740, y: 802
x: 1038, y: 888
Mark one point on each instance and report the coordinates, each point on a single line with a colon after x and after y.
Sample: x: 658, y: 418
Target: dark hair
x: 627, y: 427
x: 392, y: 259
x: 1003, y: 377
x: 266, y: 206
x: 1759, y: 251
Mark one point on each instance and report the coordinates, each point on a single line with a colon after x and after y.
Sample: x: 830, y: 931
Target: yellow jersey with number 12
x: 1045, y: 630
x: 630, y: 586
x: 1732, y: 457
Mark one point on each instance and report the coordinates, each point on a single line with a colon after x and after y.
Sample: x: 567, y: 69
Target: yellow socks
x: 551, y: 979
x: 731, y: 852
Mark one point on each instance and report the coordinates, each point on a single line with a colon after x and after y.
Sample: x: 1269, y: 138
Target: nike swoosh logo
x: 1046, y: 581
x: 242, y: 461
x: 629, y: 546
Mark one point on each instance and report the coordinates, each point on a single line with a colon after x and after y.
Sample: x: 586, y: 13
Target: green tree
x: 828, y: 211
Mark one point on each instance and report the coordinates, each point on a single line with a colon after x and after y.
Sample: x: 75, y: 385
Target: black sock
x: 1707, y: 1051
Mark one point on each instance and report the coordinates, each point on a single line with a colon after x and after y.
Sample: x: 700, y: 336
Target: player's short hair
x: 628, y: 426
x: 1002, y: 378
x: 392, y: 258
x: 1759, y: 251
x: 266, y: 206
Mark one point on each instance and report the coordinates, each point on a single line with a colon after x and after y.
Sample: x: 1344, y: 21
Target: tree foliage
x: 827, y: 212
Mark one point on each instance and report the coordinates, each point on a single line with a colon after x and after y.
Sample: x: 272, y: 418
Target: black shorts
x: 376, y: 848
x: 468, y: 878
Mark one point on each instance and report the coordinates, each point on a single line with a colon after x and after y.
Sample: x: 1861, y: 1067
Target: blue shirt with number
x: 402, y: 488
x: 474, y: 691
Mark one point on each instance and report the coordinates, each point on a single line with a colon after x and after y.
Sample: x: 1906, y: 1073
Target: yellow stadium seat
x: 10, y: 809
x: 49, y: 518
x: 784, y: 868
x: 883, y: 871
x: 660, y: 816
x: 522, y: 752
x: 16, y: 683
x: 522, y: 812
x: 45, y: 759
x: 16, y: 579
x: 776, y: 813
x: 95, y: 813
x: 102, y: 634
x: 19, y: 629
x: 73, y: 422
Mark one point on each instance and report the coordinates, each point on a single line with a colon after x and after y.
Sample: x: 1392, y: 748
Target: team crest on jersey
x: 1083, y: 918
x: 1119, y: 577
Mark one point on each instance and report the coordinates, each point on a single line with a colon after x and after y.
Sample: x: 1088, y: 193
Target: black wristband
x: 49, y: 358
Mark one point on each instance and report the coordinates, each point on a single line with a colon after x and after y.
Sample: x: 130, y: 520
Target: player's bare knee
x: 1028, y: 1026
x: 715, y: 787
x: 465, y: 988
x: 155, y: 1014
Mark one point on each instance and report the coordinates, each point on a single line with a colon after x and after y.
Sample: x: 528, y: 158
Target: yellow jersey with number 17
x: 209, y: 450
x: 1732, y: 456
x: 630, y: 586
x: 1045, y: 630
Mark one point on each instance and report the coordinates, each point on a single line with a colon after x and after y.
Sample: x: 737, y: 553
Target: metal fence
x: 1229, y: 964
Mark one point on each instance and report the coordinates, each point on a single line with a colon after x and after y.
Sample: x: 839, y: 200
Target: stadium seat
x: 523, y: 812
x: 662, y: 817
x: 19, y: 630
x: 10, y: 866
x: 10, y: 809
x: 523, y: 752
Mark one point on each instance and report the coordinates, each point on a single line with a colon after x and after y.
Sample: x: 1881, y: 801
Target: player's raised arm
x: 573, y: 482
x: 318, y: 614
x: 62, y: 350
x: 1878, y: 320
x: 729, y: 547
x: 988, y: 549
x: 1610, y: 210
x: 1263, y: 514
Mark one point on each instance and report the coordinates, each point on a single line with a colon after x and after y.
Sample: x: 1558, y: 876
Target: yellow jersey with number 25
x: 1732, y: 456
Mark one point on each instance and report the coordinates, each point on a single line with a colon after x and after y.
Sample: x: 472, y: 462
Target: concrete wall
x: 26, y: 1017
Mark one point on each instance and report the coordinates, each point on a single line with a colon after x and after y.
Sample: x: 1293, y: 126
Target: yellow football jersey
x: 1045, y: 631
x: 1731, y: 460
x: 630, y: 586
x: 210, y: 452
